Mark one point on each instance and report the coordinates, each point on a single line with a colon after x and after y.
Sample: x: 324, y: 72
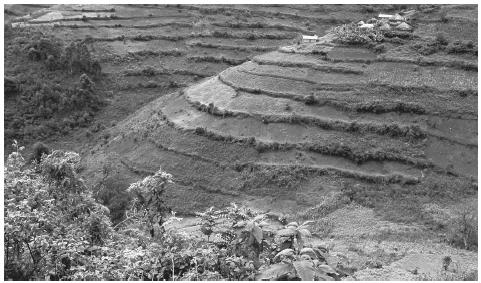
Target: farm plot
x: 457, y: 30
x: 224, y: 100
x: 351, y: 54
x: 282, y: 133
x: 409, y: 75
x: 386, y: 133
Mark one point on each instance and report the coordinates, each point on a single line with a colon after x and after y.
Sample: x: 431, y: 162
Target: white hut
x: 398, y: 17
x: 367, y: 26
x: 404, y: 27
x: 385, y: 16
x: 309, y: 38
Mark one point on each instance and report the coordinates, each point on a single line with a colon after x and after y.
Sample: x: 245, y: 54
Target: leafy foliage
x: 148, y: 207
x: 47, y: 86
x: 352, y: 34
x: 463, y: 227
x: 50, y: 217
x: 55, y: 230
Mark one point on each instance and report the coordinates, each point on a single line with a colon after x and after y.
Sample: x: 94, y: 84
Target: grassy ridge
x: 371, y: 106
x: 151, y: 71
x: 217, y: 59
x: 250, y: 166
x: 308, y: 65
x: 410, y: 132
x: 232, y: 47
x: 214, y: 34
x: 347, y: 150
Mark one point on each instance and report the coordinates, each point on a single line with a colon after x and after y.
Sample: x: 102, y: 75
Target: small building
x: 404, y: 27
x: 360, y: 23
x: 385, y: 16
x: 309, y: 38
x: 398, y: 17
x: 367, y: 26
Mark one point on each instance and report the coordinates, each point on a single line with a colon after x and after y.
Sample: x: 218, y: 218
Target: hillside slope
x: 145, y: 51
x: 285, y: 128
x: 377, y: 142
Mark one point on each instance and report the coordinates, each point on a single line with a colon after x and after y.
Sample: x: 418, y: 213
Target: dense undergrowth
x: 56, y: 230
x: 51, y: 85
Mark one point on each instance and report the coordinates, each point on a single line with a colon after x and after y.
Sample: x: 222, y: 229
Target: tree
x: 48, y: 216
x: 148, y: 204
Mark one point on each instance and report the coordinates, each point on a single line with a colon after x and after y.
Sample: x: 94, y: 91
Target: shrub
x: 463, y: 228
x: 310, y: 100
x: 353, y: 35
x: 33, y: 54
x: 39, y: 150
x: 51, y: 63
x: 11, y: 85
x: 443, y: 16
x: 54, y: 230
x: 379, y: 48
x: 77, y: 59
x: 430, y: 47
x: 458, y: 46
x: 441, y: 39
x: 149, y: 71
x: 446, y: 262
x: 50, y: 218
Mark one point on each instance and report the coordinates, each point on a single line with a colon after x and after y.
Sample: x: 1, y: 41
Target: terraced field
x: 271, y: 128
x: 248, y: 103
x: 147, y: 51
x: 224, y: 99
x: 370, y: 121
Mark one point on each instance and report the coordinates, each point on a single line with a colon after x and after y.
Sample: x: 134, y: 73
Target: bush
x: 379, y: 48
x: 353, y: 35
x: 39, y: 149
x: 33, y: 54
x: 50, y: 219
x: 430, y: 47
x: 458, y: 46
x: 443, y: 16
x: 51, y: 63
x: 463, y: 228
x: 441, y: 39
x: 310, y: 100
x: 54, y: 230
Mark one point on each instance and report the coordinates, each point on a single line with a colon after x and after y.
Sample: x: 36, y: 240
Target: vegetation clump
x: 55, y: 230
x: 354, y: 35
x: 441, y: 43
x: 41, y: 85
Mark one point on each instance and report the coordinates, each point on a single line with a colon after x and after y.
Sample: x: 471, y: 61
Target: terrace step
x: 273, y: 115
x: 288, y: 136
x: 218, y: 99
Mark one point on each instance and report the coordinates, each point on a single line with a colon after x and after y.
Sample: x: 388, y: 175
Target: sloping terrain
x: 145, y: 51
x: 233, y: 117
x: 266, y: 129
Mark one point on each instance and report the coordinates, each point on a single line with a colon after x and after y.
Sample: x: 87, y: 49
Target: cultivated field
x: 375, y: 146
